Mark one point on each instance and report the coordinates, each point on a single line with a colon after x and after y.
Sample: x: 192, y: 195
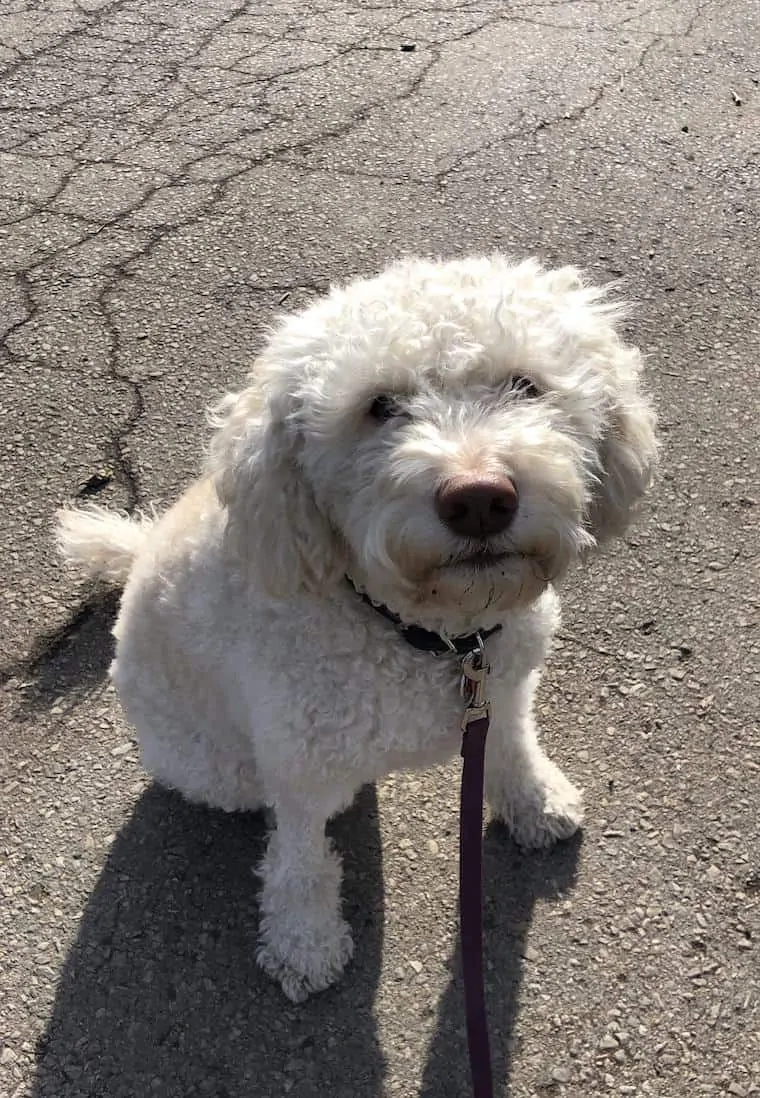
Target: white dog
x: 440, y: 444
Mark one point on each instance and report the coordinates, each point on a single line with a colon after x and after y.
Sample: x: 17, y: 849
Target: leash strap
x: 475, y: 729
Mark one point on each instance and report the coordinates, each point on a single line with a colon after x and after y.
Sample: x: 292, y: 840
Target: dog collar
x: 425, y: 640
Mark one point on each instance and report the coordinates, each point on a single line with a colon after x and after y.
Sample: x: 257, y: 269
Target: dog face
x: 452, y: 435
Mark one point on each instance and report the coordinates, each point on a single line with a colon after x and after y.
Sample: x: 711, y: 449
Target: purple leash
x: 475, y: 724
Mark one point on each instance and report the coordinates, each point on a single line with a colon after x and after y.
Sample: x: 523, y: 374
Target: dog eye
x: 524, y: 387
x: 385, y: 407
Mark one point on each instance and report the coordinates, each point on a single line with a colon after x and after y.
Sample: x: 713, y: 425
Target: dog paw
x: 305, y: 959
x: 546, y: 809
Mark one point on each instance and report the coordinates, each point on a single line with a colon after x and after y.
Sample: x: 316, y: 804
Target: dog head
x: 451, y: 435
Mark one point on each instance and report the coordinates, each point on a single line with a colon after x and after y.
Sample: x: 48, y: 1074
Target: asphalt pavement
x: 173, y: 175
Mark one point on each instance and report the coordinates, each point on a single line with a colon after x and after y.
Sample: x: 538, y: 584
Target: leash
x: 475, y: 722
x: 470, y: 649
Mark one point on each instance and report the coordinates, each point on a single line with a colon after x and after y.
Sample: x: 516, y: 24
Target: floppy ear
x: 274, y: 528
x: 627, y: 452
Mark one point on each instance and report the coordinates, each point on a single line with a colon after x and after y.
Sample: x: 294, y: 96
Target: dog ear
x: 274, y: 530
x: 628, y: 450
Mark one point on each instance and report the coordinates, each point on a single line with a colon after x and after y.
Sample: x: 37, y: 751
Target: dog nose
x: 476, y: 508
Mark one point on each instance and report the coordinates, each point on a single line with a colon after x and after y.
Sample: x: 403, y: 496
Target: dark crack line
x: 117, y: 448
x: 31, y: 310
x: 307, y: 144
x: 89, y: 20
x: 339, y: 129
x: 575, y: 115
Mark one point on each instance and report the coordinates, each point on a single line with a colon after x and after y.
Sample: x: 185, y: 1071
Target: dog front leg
x: 305, y: 942
x: 524, y: 787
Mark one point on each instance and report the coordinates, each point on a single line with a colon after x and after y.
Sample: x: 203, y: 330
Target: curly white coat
x: 254, y: 674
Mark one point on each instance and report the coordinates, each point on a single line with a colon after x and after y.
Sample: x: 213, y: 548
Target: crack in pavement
x: 117, y: 450
x: 520, y: 132
x: 30, y: 312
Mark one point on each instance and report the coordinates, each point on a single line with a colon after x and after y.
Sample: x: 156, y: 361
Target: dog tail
x: 101, y: 543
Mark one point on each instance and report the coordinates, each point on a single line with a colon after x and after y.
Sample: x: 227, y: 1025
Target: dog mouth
x: 488, y: 562
x: 482, y: 560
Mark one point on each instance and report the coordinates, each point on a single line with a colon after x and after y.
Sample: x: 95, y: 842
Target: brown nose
x: 477, y: 508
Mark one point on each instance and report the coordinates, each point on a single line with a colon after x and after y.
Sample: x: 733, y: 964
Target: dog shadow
x: 71, y: 661
x: 514, y: 882
x: 160, y: 993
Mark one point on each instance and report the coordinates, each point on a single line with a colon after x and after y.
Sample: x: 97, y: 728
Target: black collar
x: 425, y: 639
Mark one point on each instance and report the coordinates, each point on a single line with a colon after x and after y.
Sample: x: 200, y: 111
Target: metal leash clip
x: 473, y: 685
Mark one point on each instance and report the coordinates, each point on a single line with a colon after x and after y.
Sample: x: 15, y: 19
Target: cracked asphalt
x: 174, y: 175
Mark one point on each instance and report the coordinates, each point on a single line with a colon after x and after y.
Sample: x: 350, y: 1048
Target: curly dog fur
x: 253, y: 672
